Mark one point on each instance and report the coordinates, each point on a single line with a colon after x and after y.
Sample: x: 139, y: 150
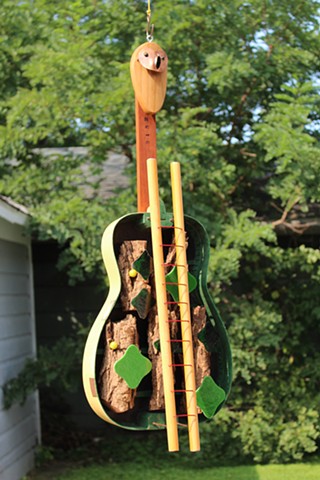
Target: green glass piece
x: 143, y: 265
x: 209, y: 396
x: 175, y: 348
x: 132, y: 367
x: 172, y: 279
x: 165, y: 217
x: 142, y: 302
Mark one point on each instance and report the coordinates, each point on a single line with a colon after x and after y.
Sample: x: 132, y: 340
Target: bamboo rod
x: 184, y: 305
x: 161, y: 295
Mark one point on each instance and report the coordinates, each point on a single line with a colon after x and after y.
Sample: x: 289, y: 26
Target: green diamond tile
x: 142, y: 302
x: 209, y: 396
x: 133, y: 366
x: 143, y: 265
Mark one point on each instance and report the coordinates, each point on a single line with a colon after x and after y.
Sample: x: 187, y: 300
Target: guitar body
x: 212, y: 339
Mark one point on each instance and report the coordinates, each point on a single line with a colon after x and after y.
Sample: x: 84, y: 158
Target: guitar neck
x: 146, y: 147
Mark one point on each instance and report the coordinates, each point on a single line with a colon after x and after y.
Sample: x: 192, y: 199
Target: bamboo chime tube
x: 161, y: 296
x: 184, y: 305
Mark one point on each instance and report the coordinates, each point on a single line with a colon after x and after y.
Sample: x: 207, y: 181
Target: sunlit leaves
x: 295, y: 153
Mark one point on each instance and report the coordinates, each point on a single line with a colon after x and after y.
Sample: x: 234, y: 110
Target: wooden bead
x: 113, y: 345
x: 133, y: 273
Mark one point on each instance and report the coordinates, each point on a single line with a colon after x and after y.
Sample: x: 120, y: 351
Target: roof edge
x: 12, y: 211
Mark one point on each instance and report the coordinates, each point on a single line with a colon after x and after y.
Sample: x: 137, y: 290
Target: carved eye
x: 146, y: 54
x: 162, y: 58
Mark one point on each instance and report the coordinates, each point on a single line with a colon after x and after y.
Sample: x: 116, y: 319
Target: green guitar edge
x: 91, y: 347
x: 216, y: 319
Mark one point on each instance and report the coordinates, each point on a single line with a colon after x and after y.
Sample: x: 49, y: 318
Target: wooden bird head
x: 148, y: 69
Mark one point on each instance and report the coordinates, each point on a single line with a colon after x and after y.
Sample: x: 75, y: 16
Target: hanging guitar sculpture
x: 158, y: 354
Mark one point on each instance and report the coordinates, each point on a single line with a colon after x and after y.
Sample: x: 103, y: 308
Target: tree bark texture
x: 114, y: 391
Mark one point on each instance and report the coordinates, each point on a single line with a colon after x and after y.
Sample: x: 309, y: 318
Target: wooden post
x: 148, y: 68
x: 184, y: 305
x: 146, y: 147
x: 161, y: 296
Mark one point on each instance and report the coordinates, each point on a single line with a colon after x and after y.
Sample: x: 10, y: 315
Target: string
x: 149, y: 8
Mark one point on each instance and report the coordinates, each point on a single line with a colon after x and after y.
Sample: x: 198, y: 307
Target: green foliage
x: 292, y: 146
x: 57, y: 365
x: 242, y: 116
x: 43, y: 455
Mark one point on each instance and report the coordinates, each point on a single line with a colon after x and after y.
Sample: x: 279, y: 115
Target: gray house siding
x: 19, y: 426
x: 58, y: 305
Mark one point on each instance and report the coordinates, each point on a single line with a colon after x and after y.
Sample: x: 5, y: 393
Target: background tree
x: 242, y: 117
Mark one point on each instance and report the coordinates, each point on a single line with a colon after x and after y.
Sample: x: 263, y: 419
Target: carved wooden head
x: 148, y: 69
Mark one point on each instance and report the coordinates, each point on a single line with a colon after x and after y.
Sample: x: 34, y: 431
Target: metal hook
x: 149, y: 30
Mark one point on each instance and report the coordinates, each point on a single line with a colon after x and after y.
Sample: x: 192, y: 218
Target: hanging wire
x: 150, y: 27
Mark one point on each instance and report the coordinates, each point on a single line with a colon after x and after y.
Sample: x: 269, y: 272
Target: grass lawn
x: 259, y: 472
x: 125, y: 455
x: 136, y: 471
